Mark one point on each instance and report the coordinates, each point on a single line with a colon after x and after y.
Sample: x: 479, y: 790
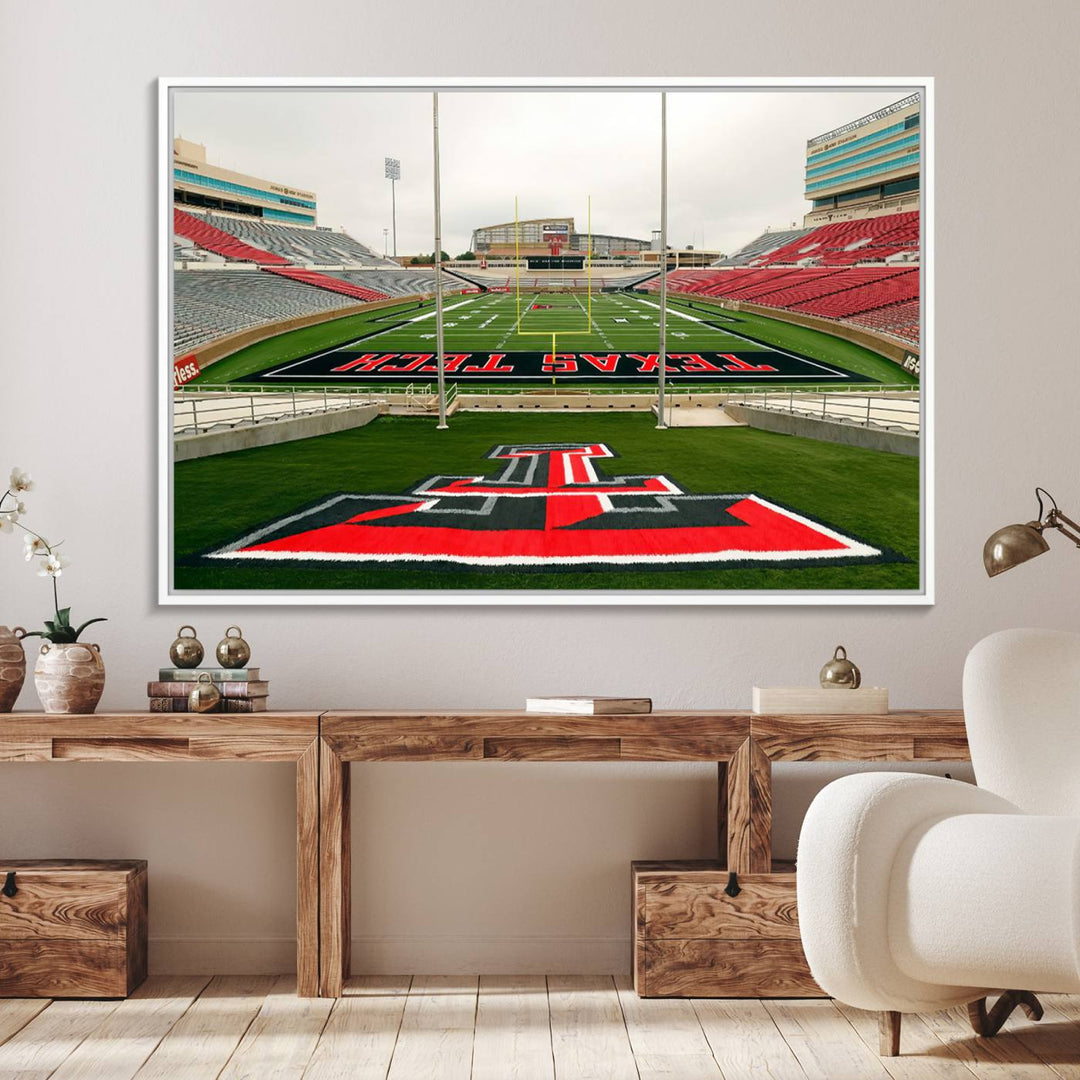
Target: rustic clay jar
x: 12, y: 666
x: 69, y: 678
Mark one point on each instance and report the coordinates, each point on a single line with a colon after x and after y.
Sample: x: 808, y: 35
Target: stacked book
x: 241, y: 689
x: 583, y: 705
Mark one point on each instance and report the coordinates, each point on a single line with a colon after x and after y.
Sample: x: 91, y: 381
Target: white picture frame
x: 169, y: 594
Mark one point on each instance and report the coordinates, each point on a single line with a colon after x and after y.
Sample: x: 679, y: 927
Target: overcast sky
x: 735, y: 158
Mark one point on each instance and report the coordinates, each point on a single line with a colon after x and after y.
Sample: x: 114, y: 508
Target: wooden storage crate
x: 692, y: 939
x: 72, y: 928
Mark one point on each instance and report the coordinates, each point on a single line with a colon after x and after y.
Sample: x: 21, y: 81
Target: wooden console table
x: 322, y: 745
x: 269, y: 736
x: 743, y: 746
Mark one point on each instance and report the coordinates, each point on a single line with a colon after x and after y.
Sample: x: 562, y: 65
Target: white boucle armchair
x: 917, y: 893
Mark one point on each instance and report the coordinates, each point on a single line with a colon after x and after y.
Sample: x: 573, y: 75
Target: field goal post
x: 553, y: 286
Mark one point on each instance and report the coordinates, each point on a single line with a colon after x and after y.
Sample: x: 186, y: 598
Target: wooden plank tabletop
x: 154, y: 724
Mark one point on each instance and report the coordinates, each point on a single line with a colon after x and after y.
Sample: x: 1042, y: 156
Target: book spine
x: 216, y: 674
x: 168, y: 704
x: 226, y: 689
x: 228, y: 705
x: 239, y: 705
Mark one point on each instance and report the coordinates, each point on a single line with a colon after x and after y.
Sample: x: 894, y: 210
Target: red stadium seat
x: 324, y: 281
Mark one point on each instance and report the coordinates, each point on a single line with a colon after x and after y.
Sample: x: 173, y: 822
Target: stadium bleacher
x: 840, y: 243
x: 881, y: 293
x: 899, y: 320
x: 219, y: 242
x: 212, y: 303
x: 295, y: 245
x: 884, y: 298
x: 762, y: 245
x: 325, y: 281
x: 397, y: 282
x: 847, y: 270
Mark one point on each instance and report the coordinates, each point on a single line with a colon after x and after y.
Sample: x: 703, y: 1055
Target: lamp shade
x: 1012, y: 545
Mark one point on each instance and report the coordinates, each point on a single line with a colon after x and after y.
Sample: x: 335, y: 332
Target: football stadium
x: 616, y: 413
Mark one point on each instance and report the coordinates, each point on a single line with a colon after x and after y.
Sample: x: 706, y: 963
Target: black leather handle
x: 9, y: 884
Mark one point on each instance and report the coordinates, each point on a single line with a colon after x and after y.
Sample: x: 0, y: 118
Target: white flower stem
x: 44, y: 542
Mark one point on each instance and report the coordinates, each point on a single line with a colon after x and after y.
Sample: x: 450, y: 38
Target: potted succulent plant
x: 69, y: 674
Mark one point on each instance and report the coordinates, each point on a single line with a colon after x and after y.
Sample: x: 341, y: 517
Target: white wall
x: 495, y: 867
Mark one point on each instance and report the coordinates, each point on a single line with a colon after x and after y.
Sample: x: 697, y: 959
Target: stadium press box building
x: 197, y: 183
x: 538, y: 236
x: 866, y: 168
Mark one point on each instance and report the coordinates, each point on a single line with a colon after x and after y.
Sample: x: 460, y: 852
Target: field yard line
x: 592, y: 319
x: 774, y: 348
x: 378, y: 333
x: 513, y: 323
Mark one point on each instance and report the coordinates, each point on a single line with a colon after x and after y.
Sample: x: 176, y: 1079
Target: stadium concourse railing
x: 203, y: 408
x: 200, y: 409
x: 889, y: 407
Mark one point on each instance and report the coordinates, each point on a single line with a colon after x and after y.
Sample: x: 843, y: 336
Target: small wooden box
x: 691, y: 939
x: 72, y: 928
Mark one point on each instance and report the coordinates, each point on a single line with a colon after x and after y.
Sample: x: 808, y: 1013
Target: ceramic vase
x: 12, y: 667
x: 69, y: 678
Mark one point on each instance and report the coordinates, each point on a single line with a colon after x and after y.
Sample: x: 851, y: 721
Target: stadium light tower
x: 392, y: 172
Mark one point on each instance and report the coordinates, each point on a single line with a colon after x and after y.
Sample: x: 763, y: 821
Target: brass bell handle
x: 204, y: 677
x: 239, y: 632
x: 841, y: 653
x: 180, y: 632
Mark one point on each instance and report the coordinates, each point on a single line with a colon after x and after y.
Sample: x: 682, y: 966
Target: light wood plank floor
x: 524, y: 1027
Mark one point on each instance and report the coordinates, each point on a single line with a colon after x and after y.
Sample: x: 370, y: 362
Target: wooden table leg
x: 307, y: 872
x: 749, y: 810
x: 334, y: 872
x: 722, y: 813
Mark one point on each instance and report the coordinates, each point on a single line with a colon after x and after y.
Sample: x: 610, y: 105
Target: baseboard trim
x: 393, y: 954
x: 456, y: 954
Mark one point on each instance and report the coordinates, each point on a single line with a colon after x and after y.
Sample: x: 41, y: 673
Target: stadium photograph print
x: 546, y: 341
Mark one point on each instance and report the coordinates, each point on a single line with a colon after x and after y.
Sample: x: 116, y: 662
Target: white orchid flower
x: 7, y: 521
x: 34, y: 545
x: 54, y: 565
x: 20, y: 480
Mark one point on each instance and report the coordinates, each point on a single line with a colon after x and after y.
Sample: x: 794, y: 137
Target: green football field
x: 537, y: 323
x: 868, y: 495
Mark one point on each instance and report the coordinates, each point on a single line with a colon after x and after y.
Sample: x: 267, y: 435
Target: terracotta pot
x: 69, y: 678
x: 12, y: 666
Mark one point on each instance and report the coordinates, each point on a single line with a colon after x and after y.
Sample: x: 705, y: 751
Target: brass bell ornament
x: 840, y: 673
x: 204, y: 696
x: 233, y: 652
x: 186, y: 651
